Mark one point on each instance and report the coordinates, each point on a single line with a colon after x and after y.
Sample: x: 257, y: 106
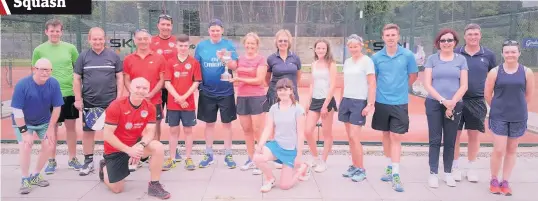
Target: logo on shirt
x: 171, y: 44
x: 176, y: 74
x: 159, y: 51
x: 176, y: 65
x: 128, y: 125
x: 188, y: 66
x: 126, y: 113
x: 144, y: 113
x: 108, y: 64
x: 482, y: 59
x: 150, y: 62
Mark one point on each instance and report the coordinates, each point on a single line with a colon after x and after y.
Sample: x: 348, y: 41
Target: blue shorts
x: 40, y: 130
x: 351, y: 111
x: 187, y: 118
x: 283, y: 156
x: 509, y: 129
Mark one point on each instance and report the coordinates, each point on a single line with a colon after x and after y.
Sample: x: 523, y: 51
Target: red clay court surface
x: 418, y: 131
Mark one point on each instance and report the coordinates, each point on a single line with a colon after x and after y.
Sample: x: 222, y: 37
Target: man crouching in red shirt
x: 126, y: 120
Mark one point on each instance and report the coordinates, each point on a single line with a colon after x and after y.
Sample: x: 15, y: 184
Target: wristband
x: 23, y: 129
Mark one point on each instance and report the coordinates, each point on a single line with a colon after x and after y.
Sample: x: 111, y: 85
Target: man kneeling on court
x: 126, y: 120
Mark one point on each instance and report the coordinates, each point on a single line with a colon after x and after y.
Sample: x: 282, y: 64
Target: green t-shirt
x: 62, y: 56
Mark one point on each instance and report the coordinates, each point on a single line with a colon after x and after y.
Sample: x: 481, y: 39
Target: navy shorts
x: 508, y: 129
x: 473, y: 115
x: 187, y: 118
x: 351, y: 111
x: 208, y: 106
x: 316, y: 104
x: 250, y: 105
x: 117, y: 166
x: 393, y: 118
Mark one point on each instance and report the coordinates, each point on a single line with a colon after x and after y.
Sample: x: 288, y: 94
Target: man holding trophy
x: 217, y: 57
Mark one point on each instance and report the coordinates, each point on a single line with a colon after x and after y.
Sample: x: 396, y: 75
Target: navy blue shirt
x: 283, y: 68
x: 36, y: 100
x: 479, y: 66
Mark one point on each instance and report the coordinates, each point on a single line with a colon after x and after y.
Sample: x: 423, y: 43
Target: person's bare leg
x: 472, y: 152
x: 227, y: 129
x: 357, y: 152
x: 71, y: 134
x: 499, y: 150
x: 248, y: 130
x: 327, y: 135
x: 155, y: 150
x: 43, y: 156
x: 208, y: 133
x: 510, y: 158
x: 351, y: 143
x: 173, y: 138
x: 88, y: 142
x: 25, y: 155
x: 188, y: 141
x: 289, y: 177
x: 158, y: 131
x: 311, y: 121
x: 387, y: 144
x: 261, y: 161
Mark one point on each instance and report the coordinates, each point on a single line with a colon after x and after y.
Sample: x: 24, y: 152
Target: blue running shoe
x: 208, y: 160
x: 178, y: 158
x: 388, y: 174
x: 350, y: 171
x: 359, y: 175
x: 51, y: 167
x: 74, y: 164
x: 397, y: 183
x: 229, y: 160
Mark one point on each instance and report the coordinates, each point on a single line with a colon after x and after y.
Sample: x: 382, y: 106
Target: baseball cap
x: 216, y: 22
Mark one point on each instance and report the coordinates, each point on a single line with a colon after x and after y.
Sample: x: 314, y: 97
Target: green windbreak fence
x: 306, y: 20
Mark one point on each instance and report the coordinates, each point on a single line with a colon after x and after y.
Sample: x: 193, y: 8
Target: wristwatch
x: 441, y: 101
x: 143, y: 144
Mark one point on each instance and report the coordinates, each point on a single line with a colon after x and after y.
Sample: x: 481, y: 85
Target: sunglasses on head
x: 446, y: 40
x: 165, y: 16
x: 354, y: 37
x: 510, y: 43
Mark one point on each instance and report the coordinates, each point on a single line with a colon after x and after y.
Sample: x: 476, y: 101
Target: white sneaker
x: 450, y: 180
x: 456, y: 174
x: 321, y: 166
x: 134, y: 167
x: 472, y: 176
x: 278, y: 165
x: 256, y: 171
x: 268, y: 186
x: 248, y: 165
x: 433, y: 181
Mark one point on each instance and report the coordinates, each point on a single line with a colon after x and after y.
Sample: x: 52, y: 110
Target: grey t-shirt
x: 98, y: 72
x: 446, y: 74
x: 285, y: 122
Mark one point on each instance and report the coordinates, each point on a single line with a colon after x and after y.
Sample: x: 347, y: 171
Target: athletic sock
x: 209, y: 150
x: 228, y: 152
x: 88, y: 158
x: 395, y: 168
x: 389, y: 160
x: 154, y: 182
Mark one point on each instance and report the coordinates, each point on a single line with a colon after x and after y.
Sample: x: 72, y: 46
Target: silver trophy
x: 225, y: 56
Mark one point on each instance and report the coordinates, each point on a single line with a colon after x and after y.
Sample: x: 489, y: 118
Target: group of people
x: 133, y: 93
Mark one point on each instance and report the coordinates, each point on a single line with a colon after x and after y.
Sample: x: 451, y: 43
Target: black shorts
x: 208, y: 107
x: 473, y: 115
x: 187, y: 118
x: 250, y: 105
x: 117, y: 166
x: 159, y: 111
x: 351, y: 111
x: 68, y: 111
x: 316, y: 104
x: 164, y: 96
x: 393, y: 118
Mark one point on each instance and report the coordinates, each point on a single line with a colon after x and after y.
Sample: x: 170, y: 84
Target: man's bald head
x: 139, y: 81
x: 43, y: 63
x: 95, y: 30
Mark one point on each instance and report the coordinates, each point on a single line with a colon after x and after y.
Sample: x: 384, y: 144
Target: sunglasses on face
x: 446, y: 40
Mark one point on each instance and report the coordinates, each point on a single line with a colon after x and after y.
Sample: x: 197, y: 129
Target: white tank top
x: 322, y: 81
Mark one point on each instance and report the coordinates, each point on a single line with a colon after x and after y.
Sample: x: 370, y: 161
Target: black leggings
x: 442, y: 128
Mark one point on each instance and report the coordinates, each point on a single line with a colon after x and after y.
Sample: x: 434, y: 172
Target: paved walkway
x: 219, y: 183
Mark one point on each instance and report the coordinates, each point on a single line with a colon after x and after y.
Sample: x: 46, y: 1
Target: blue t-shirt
x: 212, y: 67
x: 446, y: 74
x: 35, y: 100
x: 392, y: 75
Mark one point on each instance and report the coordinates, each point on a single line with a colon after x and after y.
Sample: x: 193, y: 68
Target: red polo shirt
x: 166, y: 47
x: 149, y: 67
x: 182, y: 75
x: 130, y: 121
